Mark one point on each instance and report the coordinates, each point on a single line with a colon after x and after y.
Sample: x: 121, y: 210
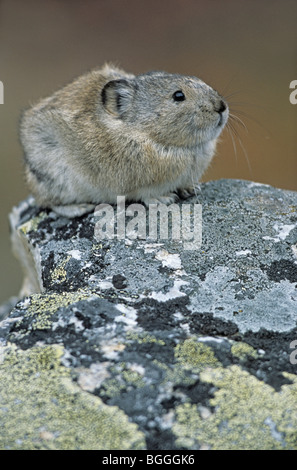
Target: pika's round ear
x: 117, y: 96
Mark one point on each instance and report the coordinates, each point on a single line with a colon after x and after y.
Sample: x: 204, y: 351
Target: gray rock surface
x: 142, y: 344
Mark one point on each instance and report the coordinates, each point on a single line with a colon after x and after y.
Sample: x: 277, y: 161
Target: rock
x: 146, y: 344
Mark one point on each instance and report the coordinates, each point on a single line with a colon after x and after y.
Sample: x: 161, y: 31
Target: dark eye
x: 178, y: 96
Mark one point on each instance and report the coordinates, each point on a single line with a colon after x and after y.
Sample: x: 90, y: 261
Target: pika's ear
x: 117, y: 96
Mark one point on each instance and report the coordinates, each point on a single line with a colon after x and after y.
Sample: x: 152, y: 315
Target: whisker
x: 231, y: 94
x: 251, y: 105
x: 228, y: 85
x: 251, y: 118
x: 238, y: 121
x: 245, y: 155
x: 233, y: 132
x: 230, y: 131
x: 233, y: 106
x: 232, y: 127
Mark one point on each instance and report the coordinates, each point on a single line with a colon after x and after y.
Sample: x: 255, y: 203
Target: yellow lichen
x: 59, y: 274
x: 144, y: 338
x: 33, y: 223
x: 248, y: 414
x: 41, y: 408
x: 195, y: 355
x: 43, y: 306
x: 243, y: 350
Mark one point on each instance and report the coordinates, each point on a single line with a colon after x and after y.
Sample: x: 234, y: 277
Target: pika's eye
x: 178, y: 96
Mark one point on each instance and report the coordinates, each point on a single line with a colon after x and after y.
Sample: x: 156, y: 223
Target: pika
x: 148, y: 137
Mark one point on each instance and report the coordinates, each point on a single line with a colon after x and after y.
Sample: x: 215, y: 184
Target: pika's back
x: 80, y: 95
x: 111, y: 133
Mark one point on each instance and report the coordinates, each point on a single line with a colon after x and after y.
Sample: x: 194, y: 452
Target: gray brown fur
x: 109, y: 133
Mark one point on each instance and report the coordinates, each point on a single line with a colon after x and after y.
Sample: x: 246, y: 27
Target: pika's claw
x: 185, y: 193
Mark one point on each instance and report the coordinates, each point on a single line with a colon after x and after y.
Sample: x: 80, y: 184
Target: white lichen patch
x: 283, y: 231
x: 105, y: 284
x: 111, y: 348
x: 76, y: 254
x: 128, y: 315
x: 243, y: 253
x: 294, y: 249
x: 91, y: 378
x: 171, y: 261
x: 171, y: 294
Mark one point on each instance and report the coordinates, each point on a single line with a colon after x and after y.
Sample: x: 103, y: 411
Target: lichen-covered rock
x: 139, y: 343
x: 42, y: 407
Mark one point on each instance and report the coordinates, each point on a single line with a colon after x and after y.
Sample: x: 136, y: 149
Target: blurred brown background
x: 237, y: 46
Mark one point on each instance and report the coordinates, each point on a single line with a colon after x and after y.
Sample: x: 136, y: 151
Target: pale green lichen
x: 191, y: 356
x: 112, y: 387
x: 243, y: 351
x: 144, y: 337
x: 195, y: 355
x: 41, y: 307
x: 41, y: 408
x: 125, y: 377
x: 59, y: 274
x: 175, y: 375
x: 248, y: 414
x: 33, y: 223
x: 133, y: 378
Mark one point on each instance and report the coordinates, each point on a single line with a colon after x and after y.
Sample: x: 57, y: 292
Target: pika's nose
x: 221, y: 107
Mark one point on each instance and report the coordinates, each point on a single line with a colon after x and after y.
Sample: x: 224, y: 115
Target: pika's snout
x: 221, y: 108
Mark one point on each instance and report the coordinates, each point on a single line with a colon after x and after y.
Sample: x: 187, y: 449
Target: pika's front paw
x: 168, y: 199
x: 185, y: 193
x: 73, y: 210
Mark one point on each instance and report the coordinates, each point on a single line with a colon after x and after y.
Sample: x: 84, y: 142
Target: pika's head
x: 171, y: 109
